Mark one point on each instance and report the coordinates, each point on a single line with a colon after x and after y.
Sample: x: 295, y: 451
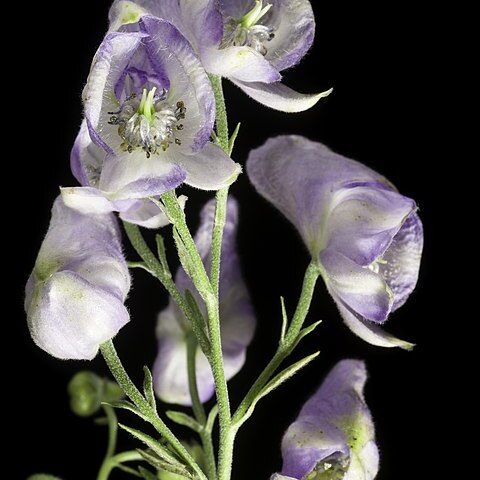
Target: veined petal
x: 362, y: 290
x: 209, y: 169
x: 334, y: 432
x: 240, y: 64
x: 144, y: 213
x: 401, y: 262
x: 280, y: 97
x: 370, y: 332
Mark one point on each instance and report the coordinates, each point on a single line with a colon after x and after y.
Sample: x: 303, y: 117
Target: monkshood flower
x: 76, y: 292
x: 333, y: 437
x: 246, y: 41
x: 236, y: 314
x: 365, y: 236
x: 149, y: 113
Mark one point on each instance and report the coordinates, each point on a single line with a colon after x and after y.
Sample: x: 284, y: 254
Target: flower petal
x: 334, y: 429
x: 280, y: 97
x: 146, y: 214
x: 364, y: 291
x: 401, y: 261
x: 70, y: 318
x: 87, y: 200
x: 170, y: 368
x: 370, y: 332
x: 364, y: 218
x: 75, y: 294
x: 189, y: 82
x: 210, y: 169
x: 294, y: 25
x: 239, y: 64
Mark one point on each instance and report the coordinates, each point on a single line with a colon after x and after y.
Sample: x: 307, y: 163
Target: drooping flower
x: 76, y: 292
x: 236, y: 314
x: 366, y: 237
x: 149, y: 113
x: 333, y: 437
x: 246, y: 41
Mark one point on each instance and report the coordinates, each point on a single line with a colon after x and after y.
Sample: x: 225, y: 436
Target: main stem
x: 113, y: 361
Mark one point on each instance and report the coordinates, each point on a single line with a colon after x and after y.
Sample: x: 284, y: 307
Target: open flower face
x: 366, y: 237
x: 236, y: 313
x: 75, y: 296
x: 247, y: 41
x: 149, y: 112
x: 333, y: 437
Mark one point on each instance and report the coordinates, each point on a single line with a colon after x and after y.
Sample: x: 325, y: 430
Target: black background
x: 377, y: 58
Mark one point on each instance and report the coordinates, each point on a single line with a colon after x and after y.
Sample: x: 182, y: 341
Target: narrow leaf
x: 183, y: 254
x: 198, y: 323
x: 304, y: 332
x: 160, y: 464
x: 231, y: 142
x: 162, y: 254
x: 155, y: 445
x: 211, y: 419
x: 129, y: 470
x: 146, y: 474
x: 282, y: 377
x: 126, y: 405
x: 148, y: 388
x: 184, y: 420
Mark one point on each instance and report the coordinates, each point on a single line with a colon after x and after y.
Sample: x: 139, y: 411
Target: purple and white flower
x: 333, y: 437
x: 149, y: 113
x: 236, y: 313
x: 75, y: 295
x: 246, y: 41
x: 366, y: 237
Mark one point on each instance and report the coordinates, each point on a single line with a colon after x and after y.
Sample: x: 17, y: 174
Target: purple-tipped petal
x: 362, y: 290
x: 236, y: 317
x: 279, y: 96
x: 334, y: 432
x: 75, y: 294
x: 365, y: 236
x: 210, y: 169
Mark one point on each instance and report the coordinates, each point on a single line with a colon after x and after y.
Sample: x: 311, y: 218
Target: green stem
x: 198, y: 408
x: 115, y: 461
x: 204, y: 287
x: 113, y: 361
x: 217, y: 236
x: 112, y: 431
x: 285, y: 348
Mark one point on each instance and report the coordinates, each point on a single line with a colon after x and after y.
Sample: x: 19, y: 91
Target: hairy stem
x: 115, y: 461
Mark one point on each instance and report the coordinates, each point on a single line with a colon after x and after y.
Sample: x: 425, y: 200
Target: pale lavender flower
x: 333, y: 437
x: 236, y: 314
x: 246, y: 41
x: 149, y: 113
x: 365, y: 236
x: 76, y: 292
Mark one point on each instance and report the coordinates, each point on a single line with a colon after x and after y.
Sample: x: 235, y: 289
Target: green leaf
x: 126, y: 405
x: 231, y: 142
x: 198, y: 323
x: 153, y: 444
x: 160, y: 464
x: 148, y: 388
x: 129, y: 470
x: 183, y: 254
x: 162, y: 254
x: 282, y: 377
x: 42, y: 476
x: 304, y: 332
x: 184, y: 420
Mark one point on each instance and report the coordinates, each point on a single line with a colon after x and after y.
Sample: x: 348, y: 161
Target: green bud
x: 87, y: 392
